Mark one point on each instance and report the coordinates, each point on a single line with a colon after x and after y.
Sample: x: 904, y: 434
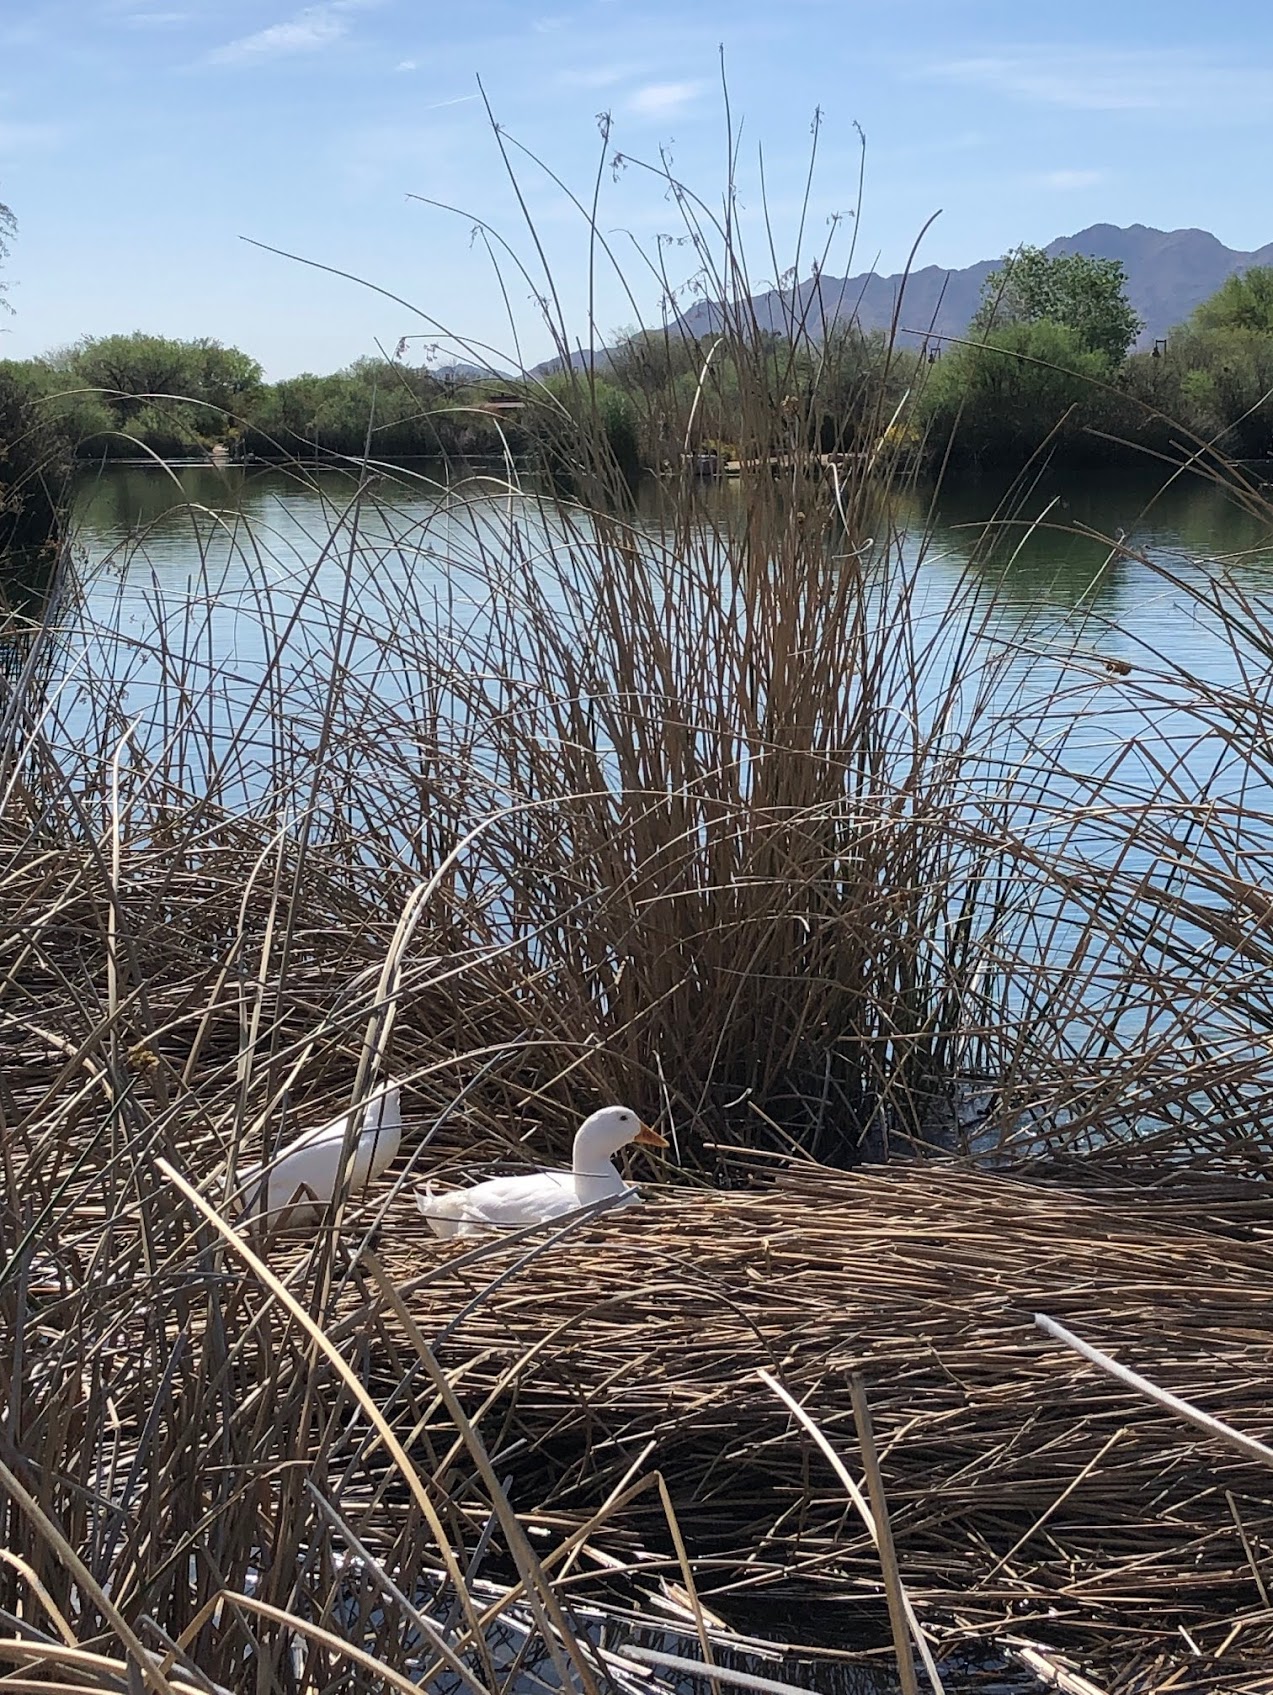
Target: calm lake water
x: 195, y: 577
x: 224, y: 567
x: 192, y: 529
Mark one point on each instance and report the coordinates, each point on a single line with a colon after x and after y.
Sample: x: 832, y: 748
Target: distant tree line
x: 1045, y: 367
x: 34, y: 450
x: 121, y: 396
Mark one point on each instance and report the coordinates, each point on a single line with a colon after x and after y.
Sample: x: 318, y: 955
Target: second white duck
x: 514, y: 1202
x: 301, y: 1178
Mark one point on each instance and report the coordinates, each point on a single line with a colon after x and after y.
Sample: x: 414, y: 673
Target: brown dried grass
x: 1030, y: 1496
x: 718, y: 816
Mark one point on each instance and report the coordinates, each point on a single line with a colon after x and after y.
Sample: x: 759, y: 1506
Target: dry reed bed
x: 719, y: 814
x: 1030, y: 1493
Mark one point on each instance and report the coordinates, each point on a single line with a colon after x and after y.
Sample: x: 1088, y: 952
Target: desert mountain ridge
x: 1169, y: 272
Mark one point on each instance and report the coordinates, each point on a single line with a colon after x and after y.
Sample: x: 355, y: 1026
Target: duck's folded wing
x: 304, y: 1174
x: 502, y: 1202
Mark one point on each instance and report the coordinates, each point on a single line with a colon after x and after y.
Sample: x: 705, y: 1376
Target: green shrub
x: 1243, y: 301
x: 35, y: 463
x: 167, y: 428
x: 1210, y: 387
x: 410, y: 414
x: 998, y: 402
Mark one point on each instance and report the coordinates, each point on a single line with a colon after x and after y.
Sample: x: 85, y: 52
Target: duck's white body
x: 510, y: 1203
x: 301, y: 1178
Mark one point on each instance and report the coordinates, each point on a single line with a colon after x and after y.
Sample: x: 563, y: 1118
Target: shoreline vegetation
x: 718, y: 821
x: 1045, y: 370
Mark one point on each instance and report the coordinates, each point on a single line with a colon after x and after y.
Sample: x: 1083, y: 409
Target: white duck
x: 301, y: 1178
x: 513, y: 1202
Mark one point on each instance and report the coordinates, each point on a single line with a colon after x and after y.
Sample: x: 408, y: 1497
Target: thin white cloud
x: 308, y: 31
x: 1168, y: 80
x: 664, y: 99
x: 405, y: 65
x: 1051, y: 80
x: 154, y: 20
x: 1069, y: 178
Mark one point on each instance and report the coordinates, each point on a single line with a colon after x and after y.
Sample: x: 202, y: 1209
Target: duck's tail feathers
x: 433, y: 1208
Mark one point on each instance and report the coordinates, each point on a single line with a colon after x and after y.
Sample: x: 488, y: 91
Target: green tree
x: 1088, y: 296
x: 8, y: 229
x: 81, y: 415
x: 1217, y: 377
x: 226, y: 376
x: 1243, y: 301
x: 133, y: 369
x: 856, y: 384
x: 410, y: 413
x: 35, y: 463
x: 650, y: 362
x: 130, y: 368
x: 1225, y: 378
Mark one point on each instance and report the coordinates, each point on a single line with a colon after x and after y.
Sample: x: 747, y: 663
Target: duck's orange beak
x: 647, y: 1138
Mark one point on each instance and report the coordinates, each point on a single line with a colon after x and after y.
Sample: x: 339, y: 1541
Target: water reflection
x: 116, y: 503
x: 1192, y: 512
x: 1042, y: 547
x: 1048, y: 544
x: 217, y: 562
x: 642, y: 1655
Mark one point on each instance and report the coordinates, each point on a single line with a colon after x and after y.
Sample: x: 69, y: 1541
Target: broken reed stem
x: 1049, y: 1672
x: 139, y: 1660
x: 869, y: 1519
x: 1247, y: 1445
x: 897, y: 1607
x: 336, y: 1645
x: 1249, y: 1551
x: 1081, y: 1477
x: 347, y: 1375
x: 114, y: 1674
x: 426, y: 1626
x: 715, y: 1674
x: 540, y: 1593
x: 687, y: 1575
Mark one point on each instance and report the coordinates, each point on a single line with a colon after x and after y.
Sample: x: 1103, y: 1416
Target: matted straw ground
x: 1031, y: 1495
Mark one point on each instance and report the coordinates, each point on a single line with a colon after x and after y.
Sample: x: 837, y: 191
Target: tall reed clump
x: 727, y: 777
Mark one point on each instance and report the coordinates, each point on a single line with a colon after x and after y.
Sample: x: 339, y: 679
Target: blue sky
x: 140, y: 140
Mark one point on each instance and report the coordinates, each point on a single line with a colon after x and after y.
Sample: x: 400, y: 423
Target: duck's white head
x: 605, y: 1132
